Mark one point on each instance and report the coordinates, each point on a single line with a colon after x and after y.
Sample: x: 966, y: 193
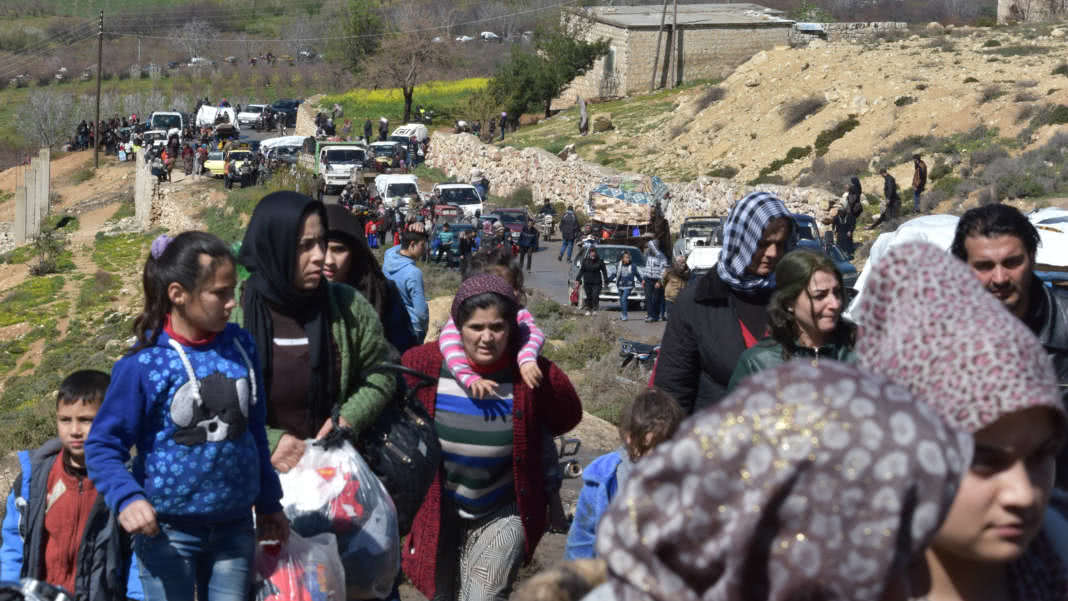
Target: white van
x: 464, y: 196
x: 404, y: 133
x: 393, y: 188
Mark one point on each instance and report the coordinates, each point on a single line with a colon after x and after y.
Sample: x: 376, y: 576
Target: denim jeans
x: 915, y: 201
x: 214, y: 562
x: 624, y: 300
x: 654, y: 298
x: 569, y: 246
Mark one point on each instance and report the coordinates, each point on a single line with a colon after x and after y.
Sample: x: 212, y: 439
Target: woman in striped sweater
x: 486, y: 511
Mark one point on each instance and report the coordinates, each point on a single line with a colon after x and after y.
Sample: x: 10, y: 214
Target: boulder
x: 602, y: 122
x: 566, y: 152
x: 935, y: 26
x: 1057, y: 33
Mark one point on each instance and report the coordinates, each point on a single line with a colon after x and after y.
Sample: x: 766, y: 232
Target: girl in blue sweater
x: 187, y: 395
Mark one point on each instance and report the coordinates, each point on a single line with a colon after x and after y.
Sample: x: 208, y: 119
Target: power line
x: 347, y: 37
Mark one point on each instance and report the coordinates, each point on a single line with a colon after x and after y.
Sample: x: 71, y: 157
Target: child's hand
x: 482, y: 388
x: 531, y: 374
x: 139, y: 517
x: 272, y: 526
x: 287, y: 454
x: 328, y: 425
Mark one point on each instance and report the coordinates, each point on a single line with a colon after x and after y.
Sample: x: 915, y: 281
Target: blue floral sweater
x: 201, y: 441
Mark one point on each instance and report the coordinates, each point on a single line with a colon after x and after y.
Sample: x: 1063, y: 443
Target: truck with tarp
x: 335, y: 164
x: 623, y: 205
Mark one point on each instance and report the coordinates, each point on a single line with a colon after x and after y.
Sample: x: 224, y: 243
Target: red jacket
x: 554, y: 405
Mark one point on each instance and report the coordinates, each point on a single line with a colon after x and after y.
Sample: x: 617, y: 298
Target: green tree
x: 532, y: 79
x: 362, y: 24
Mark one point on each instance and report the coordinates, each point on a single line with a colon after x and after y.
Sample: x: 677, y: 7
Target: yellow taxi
x: 216, y: 164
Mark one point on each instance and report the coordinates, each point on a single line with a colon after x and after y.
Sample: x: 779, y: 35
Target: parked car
x: 252, y: 115
x: 699, y: 231
x: 287, y: 109
x: 611, y: 254
x: 489, y: 36
x: 215, y: 164
x: 513, y: 219
x: 464, y: 38
x: 805, y: 228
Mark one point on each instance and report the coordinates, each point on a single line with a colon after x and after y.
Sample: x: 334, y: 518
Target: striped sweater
x: 452, y: 347
x: 476, y: 442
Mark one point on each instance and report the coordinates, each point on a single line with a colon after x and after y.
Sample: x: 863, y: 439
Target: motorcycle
x: 639, y: 354
x: 546, y: 227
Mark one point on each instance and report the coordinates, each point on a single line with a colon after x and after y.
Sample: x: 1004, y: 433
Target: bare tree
x: 49, y: 117
x: 297, y: 31
x: 408, y: 56
x: 195, y: 36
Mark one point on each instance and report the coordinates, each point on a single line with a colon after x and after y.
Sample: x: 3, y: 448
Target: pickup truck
x: 334, y: 164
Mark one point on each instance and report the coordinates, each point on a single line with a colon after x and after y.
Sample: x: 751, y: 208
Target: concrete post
x: 33, y: 215
x: 21, y: 216
x: 44, y: 173
x: 142, y: 193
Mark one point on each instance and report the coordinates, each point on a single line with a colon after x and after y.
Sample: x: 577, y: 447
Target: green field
x: 447, y: 98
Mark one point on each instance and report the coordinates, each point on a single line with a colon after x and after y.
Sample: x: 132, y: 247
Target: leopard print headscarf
x: 808, y: 482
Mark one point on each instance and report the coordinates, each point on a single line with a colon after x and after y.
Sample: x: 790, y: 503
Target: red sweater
x: 554, y: 405
x: 67, y: 508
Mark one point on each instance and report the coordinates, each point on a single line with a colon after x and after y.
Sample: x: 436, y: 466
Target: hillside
x: 950, y: 93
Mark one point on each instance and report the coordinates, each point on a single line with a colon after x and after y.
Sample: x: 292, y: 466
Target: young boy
x: 648, y: 421
x: 56, y: 528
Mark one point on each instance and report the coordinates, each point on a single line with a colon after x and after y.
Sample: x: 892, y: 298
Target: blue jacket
x: 602, y: 479
x: 409, y: 280
x: 627, y: 275
x: 107, y: 569
x: 202, y: 446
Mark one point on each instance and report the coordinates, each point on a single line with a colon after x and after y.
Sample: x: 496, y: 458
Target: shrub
x: 1061, y: 69
x: 921, y: 86
x: 1024, y: 97
x: 833, y: 175
x: 904, y: 101
x: 725, y: 171
x: 798, y: 110
x: 940, y: 170
x: 1019, y: 50
x: 991, y: 44
x: 1050, y: 115
x: 990, y: 93
x: 710, y: 95
x: 1026, y: 112
x: 794, y: 154
x: 1026, y: 83
x: 48, y: 246
x: 44, y: 79
x: 678, y: 129
x: 970, y: 80
x: 828, y: 136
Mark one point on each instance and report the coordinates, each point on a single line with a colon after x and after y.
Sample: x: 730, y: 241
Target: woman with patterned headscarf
x: 927, y: 323
x: 725, y: 312
x: 814, y: 483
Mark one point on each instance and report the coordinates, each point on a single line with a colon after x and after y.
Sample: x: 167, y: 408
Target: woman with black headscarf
x: 316, y: 339
x: 349, y: 261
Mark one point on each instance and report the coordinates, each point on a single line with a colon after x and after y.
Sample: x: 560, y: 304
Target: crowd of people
x: 780, y: 451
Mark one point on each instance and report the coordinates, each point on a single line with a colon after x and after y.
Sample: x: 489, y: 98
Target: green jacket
x: 768, y: 353
x: 361, y: 343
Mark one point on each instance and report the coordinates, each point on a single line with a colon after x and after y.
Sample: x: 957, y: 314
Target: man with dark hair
x: 999, y: 243
x: 919, y: 181
x: 569, y: 229
x: 399, y: 266
x: 56, y: 528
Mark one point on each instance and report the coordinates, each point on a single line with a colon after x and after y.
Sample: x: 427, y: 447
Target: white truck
x: 168, y: 121
x: 334, y: 164
x: 211, y: 116
x: 397, y: 190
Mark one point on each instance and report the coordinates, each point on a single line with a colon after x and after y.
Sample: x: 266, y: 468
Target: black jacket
x: 701, y: 346
x: 569, y: 226
x: 1049, y: 321
x: 593, y: 272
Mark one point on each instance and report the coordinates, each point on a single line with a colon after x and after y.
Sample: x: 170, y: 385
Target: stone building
x: 711, y: 39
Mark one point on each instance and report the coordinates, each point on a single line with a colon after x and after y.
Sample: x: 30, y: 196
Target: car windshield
x: 347, y: 155
x: 239, y: 156
x: 254, y: 108
x: 402, y: 189
x: 215, y: 156
x: 507, y: 218
x: 460, y: 196
x: 285, y: 104
x: 166, y: 122
x: 384, y: 150
x: 612, y: 254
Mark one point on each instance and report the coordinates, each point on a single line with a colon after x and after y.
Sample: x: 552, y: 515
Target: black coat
x: 1049, y: 321
x: 593, y: 271
x: 569, y: 226
x: 701, y: 346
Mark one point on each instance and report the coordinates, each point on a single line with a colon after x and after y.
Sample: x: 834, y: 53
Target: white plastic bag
x: 333, y: 490
x: 304, y: 569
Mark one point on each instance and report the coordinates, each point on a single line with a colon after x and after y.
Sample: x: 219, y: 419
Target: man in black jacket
x: 999, y: 243
x: 569, y: 229
x: 725, y: 312
x: 893, y: 200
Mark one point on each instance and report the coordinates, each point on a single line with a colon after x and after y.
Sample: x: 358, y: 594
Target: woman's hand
x: 328, y: 426
x: 139, y: 517
x: 531, y: 374
x: 272, y: 526
x: 287, y: 454
x: 482, y: 388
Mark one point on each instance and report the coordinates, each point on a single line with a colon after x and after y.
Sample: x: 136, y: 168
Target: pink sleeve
x: 535, y: 339
x: 452, y: 348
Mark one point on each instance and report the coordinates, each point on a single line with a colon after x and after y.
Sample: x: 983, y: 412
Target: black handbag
x: 402, y: 446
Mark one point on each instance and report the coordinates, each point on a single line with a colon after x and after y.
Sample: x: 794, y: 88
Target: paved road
x: 550, y: 277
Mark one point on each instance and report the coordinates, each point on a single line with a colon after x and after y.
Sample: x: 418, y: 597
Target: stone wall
x: 570, y: 181
x: 1031, y: 10
x: 603, y: 78
x: 851, y: 32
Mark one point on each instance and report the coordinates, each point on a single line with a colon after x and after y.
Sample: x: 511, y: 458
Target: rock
x: 566, y: 152
x: 602, y: 122
x: 752, y: 82
x: 935, y: 26
x: 1057, y: 33
x: 817, y: 43
x: 114, y: 346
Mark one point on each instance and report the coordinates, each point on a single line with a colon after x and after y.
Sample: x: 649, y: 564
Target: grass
x: 828, y: 136
x: 447, y: 98
x: 120, y: 253
x: 798, y: 110
x: 904, y: 100
x: 794, y: 154
x: 970, y: 80
x: 725, y: 171
x: 431, y: 173
x: 23, y: 302
x: 82, y: 175
x: 98, y: 291
x: 1019, y: 50
x: 1061, y: 69
x: 126, y: 209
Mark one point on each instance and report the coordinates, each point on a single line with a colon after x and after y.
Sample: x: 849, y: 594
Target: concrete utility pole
x: 659, y: 37
x: 673, y: 72
x: 99, y: 69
